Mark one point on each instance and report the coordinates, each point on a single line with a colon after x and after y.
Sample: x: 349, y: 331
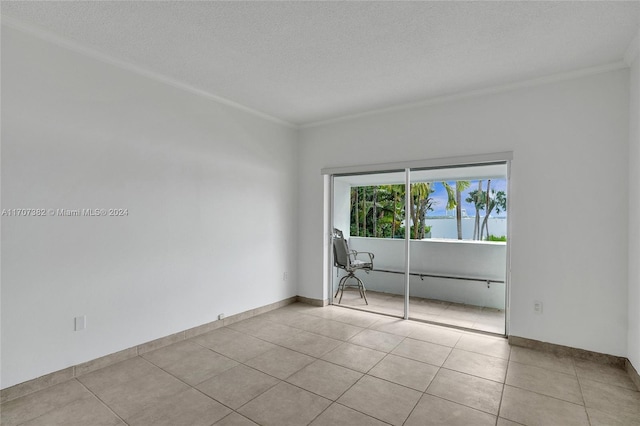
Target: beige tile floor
x: 456, y: 314
x: 303, y: 365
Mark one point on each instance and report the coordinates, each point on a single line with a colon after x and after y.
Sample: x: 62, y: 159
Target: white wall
x: 342, y: 207
x: 634, y: 215
x: 566, y: 137
x: 211, y: 194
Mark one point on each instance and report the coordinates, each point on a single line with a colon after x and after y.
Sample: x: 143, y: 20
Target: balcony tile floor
x: 436, y: 311
x: 294, y: 366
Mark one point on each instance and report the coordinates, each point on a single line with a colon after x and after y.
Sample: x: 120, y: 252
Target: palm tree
x: 497, y: 201
x: 354, y: 197
x: 421, y: 203
x: 461, y: 185
x: 477, y: 197
x: 364, y: 211
x: 426, y: 205
x: 487, y: 209
x: 451, y: 196
x: 360, y: 209
x: 454, y: 200
x: 375, y: 211
x: 397, y: 192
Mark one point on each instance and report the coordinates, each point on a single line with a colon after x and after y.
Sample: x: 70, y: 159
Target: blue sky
x: 440, y: 197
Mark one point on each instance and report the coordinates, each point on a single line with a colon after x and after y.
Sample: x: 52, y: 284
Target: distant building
x: 452, y: 213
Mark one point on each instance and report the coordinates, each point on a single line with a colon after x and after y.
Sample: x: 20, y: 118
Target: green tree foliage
x: 498, y: 202
x: 421, y: 203
x: 396, y: 213
x: 379, y: 211
x: 477, y: 198
x: 461, y: 185
x: 454, y: 195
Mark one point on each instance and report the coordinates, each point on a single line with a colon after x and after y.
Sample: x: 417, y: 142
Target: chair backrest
x: 340, y: 250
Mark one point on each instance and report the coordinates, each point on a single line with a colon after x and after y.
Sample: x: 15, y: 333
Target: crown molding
x: 76, y: 47
x: 476, y: 93
x: 633, y: 50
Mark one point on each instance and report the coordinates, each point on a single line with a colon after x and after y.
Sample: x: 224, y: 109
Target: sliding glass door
x: 458, y: 246
x: 369, y: 212
x: 437, y: 241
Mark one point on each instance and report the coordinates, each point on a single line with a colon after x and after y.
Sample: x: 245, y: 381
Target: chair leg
x: 360, y: 287
x: 341, y: 285
x: 363, y: 291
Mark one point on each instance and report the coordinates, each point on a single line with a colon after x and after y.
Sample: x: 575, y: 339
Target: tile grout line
x: 354, y: 409
x: 444, y: 323
x: 340, y: 343
x: 460, y: 372
x: 457, y: 402
x: 546, y: 396
x: 544, y: 368
x: 252, y: 312
x: 572, y: 360
x: 504, y: 384
x: 549, y: 396
x: 427, y: 388
x: 59, y: 407
x: 472, y: 375
x: 419, y: 399
x: 194, y: 387
x: 209, y: 396
x: 279, y: 346
x: 320, y: 358
x: 260, y: 371
x: 607, y: 382
x: 315, y: 359
x: 461, y: 404
x: 364, y: 414
x: 584, y: 402
x: 102, y: 402
x: 267, y: 341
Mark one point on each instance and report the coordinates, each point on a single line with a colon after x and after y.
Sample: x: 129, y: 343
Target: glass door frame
x: 329, y: 219
x: 450, y: 162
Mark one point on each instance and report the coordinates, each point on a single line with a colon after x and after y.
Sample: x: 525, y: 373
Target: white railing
x: 448, y: 227
x: 481, y: 261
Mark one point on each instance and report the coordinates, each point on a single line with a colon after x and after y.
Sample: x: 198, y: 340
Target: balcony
x: 474, y: 300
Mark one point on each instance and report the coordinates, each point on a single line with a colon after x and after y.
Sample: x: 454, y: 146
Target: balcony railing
x: 467, y: 272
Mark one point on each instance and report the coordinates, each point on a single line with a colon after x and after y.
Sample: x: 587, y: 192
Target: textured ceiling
x: 304, y: 62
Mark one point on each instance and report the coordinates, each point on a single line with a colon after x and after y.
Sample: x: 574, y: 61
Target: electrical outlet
x: 80, y: 323
x: 220, y: 316
x: 537, y: 307
x: 285, y: 276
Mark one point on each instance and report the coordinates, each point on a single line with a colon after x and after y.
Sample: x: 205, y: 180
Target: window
x: 447, y: 209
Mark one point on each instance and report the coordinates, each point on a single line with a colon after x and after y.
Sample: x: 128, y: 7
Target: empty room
x: 320, y: 213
